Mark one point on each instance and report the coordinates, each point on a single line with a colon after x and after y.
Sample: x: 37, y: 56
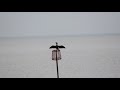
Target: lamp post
x: 56, y: 55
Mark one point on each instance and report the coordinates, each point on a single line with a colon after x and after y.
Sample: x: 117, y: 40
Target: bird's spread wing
x: 53, y: 46
x: 61, y: 46
x: 57, y: 46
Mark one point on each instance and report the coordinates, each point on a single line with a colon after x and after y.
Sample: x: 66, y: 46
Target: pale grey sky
x: 58, y: 23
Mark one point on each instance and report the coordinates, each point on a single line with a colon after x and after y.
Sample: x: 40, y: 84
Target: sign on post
x: 54, y: 52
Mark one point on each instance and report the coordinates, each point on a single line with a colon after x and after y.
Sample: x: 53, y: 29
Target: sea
x: 87, y: 56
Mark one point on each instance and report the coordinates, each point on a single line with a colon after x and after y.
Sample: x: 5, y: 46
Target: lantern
x: 56, y: 55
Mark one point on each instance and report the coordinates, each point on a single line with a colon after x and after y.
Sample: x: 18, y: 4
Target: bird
x: 57, y: 46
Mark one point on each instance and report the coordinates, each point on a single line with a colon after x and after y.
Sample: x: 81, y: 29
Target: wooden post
x: 57, y: 47
x: 57, y: 65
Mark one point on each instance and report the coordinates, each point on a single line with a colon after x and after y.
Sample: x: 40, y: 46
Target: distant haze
x: 14, y: 24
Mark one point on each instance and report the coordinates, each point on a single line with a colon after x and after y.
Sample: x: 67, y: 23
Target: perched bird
x: 57, y: 47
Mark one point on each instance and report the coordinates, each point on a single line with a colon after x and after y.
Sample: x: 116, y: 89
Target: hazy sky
x: 58, y: 23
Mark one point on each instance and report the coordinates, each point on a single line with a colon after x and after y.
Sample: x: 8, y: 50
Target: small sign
x: 56, y: 55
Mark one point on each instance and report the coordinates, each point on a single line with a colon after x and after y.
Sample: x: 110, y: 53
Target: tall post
x: 57, y: 47
x: 57, y: 65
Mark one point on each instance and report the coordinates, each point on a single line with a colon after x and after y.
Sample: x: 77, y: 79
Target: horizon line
x: 64, y: 35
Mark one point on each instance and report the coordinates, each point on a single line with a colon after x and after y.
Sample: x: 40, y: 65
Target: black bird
x: 57, y: 47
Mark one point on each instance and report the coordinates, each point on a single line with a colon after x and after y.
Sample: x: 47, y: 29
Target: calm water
x: 84, y: 56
